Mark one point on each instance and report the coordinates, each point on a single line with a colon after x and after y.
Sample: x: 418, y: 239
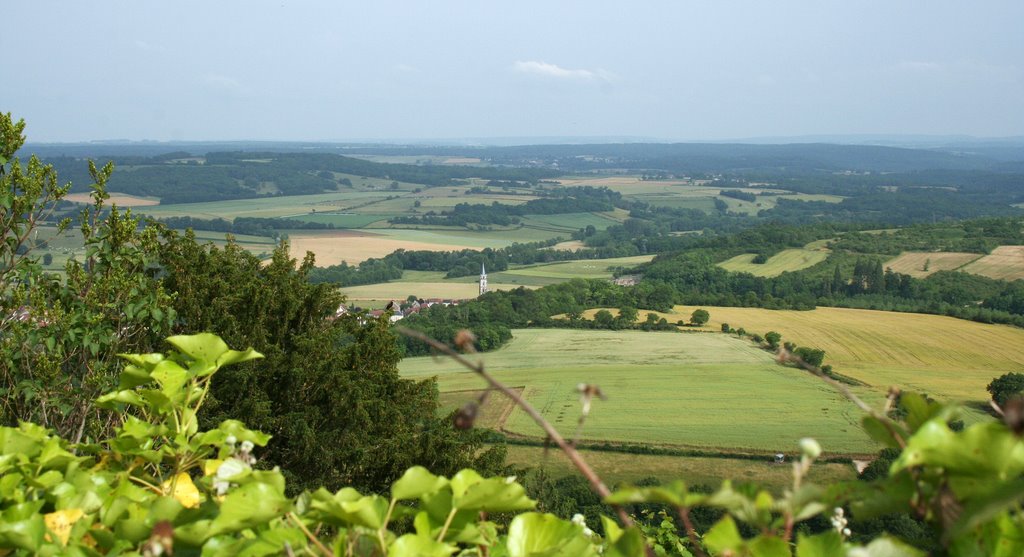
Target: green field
x: 692, y: 390
x: 786, y: 260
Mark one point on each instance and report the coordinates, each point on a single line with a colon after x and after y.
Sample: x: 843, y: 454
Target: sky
x: 329, y: 70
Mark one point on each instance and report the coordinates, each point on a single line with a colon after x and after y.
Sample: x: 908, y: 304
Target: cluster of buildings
x: 397, y: 311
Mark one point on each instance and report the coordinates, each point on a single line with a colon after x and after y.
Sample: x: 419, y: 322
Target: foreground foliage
x: 162, y: 484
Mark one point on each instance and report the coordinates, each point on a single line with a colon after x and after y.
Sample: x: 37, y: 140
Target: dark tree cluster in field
x: 739, y: 194
x: 492, y: 315
x: 580, y: 199
x: 253, y: 226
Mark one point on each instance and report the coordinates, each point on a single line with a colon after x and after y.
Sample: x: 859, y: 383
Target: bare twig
x: 574, y: 456
x: 846, y: 392
x: 684, y: 515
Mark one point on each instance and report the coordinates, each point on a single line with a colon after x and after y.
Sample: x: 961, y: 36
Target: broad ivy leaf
x: 248, y: 506
x: 536, y: 535
x: 768, y: 546
x: 22, y: 526
x: 411, y: 545
x: 471, y: 492
x: 723, y: 536
x: 827, y: 544
x: 272, y: 542
x: 237, y: 357
x: 171, y: 378
x: 629, y: 543
x: 205, y: 347
x: 416, y: 482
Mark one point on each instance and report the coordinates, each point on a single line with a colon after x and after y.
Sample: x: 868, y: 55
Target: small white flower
x: 810, y: 448
x: 231, y: 440
x: 231, y: 468
x: 578, y: 519
x: 846, y: 532
x: 510, y: 480
x: 247, y: 446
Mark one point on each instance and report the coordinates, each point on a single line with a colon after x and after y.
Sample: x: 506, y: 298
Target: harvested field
x: 947, y: 358
x: 1005, y: 262
x: 334, y: 246
x: 913, y: 262
x: 119, y: 199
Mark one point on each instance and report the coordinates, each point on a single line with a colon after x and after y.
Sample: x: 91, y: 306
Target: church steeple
x: 483, y: 279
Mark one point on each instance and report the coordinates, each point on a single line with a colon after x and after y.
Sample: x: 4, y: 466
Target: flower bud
x: 810, y: 448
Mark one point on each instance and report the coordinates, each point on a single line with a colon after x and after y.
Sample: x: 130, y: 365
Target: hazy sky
x: 332, y: 70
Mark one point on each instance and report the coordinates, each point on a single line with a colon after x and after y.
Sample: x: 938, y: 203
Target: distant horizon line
x: 512, y: 141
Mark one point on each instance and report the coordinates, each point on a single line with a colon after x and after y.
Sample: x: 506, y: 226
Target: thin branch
x: 574, y: 456
x: 316, y: 541
x: 684, y: 515
x: 846, y: 392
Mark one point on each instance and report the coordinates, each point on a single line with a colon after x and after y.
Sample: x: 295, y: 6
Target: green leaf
x: 171, y: 377
x: 272, y: 542
x: 236, y: 357
x: 723, y: 536
x: 536, y: 535
x: 248, y: 506
x: 471, y: 492
x: 21, y: 526
x: 416, y: 482
x: 412, y: 545
x: 891, y: 547
x: 769, y: 546
x: 986, y: 507
x: 881, y: 432
x: 674, y: 494
x: 629, y: 543
x: 828, y: 544
x: 205, y: 347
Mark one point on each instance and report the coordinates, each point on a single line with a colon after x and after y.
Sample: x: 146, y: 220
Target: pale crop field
x: 947, y: 358
x: 119, y: 199
x: 331, y: 247
x: 913, y: 262
x: 267, y: 207
x: 786, y: 260
x: 694, y: 390
x: 1005, y: 262
x: 449, y: 290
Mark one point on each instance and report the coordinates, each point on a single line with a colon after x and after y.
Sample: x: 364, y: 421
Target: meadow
x: 616, y: 467
x: 708, y: 391
x: 785, y: 261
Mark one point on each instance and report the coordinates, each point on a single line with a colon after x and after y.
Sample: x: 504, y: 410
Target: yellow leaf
x: 210, y: 466
x: 185, y: 491
x: 60, y: 523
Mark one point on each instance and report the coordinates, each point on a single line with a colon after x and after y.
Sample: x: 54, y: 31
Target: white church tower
x: 483, y: 280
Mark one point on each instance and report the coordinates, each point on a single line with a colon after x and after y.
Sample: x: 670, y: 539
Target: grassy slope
x: 912, y: 262
x: 786, y: 260
x: 699, y: 390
